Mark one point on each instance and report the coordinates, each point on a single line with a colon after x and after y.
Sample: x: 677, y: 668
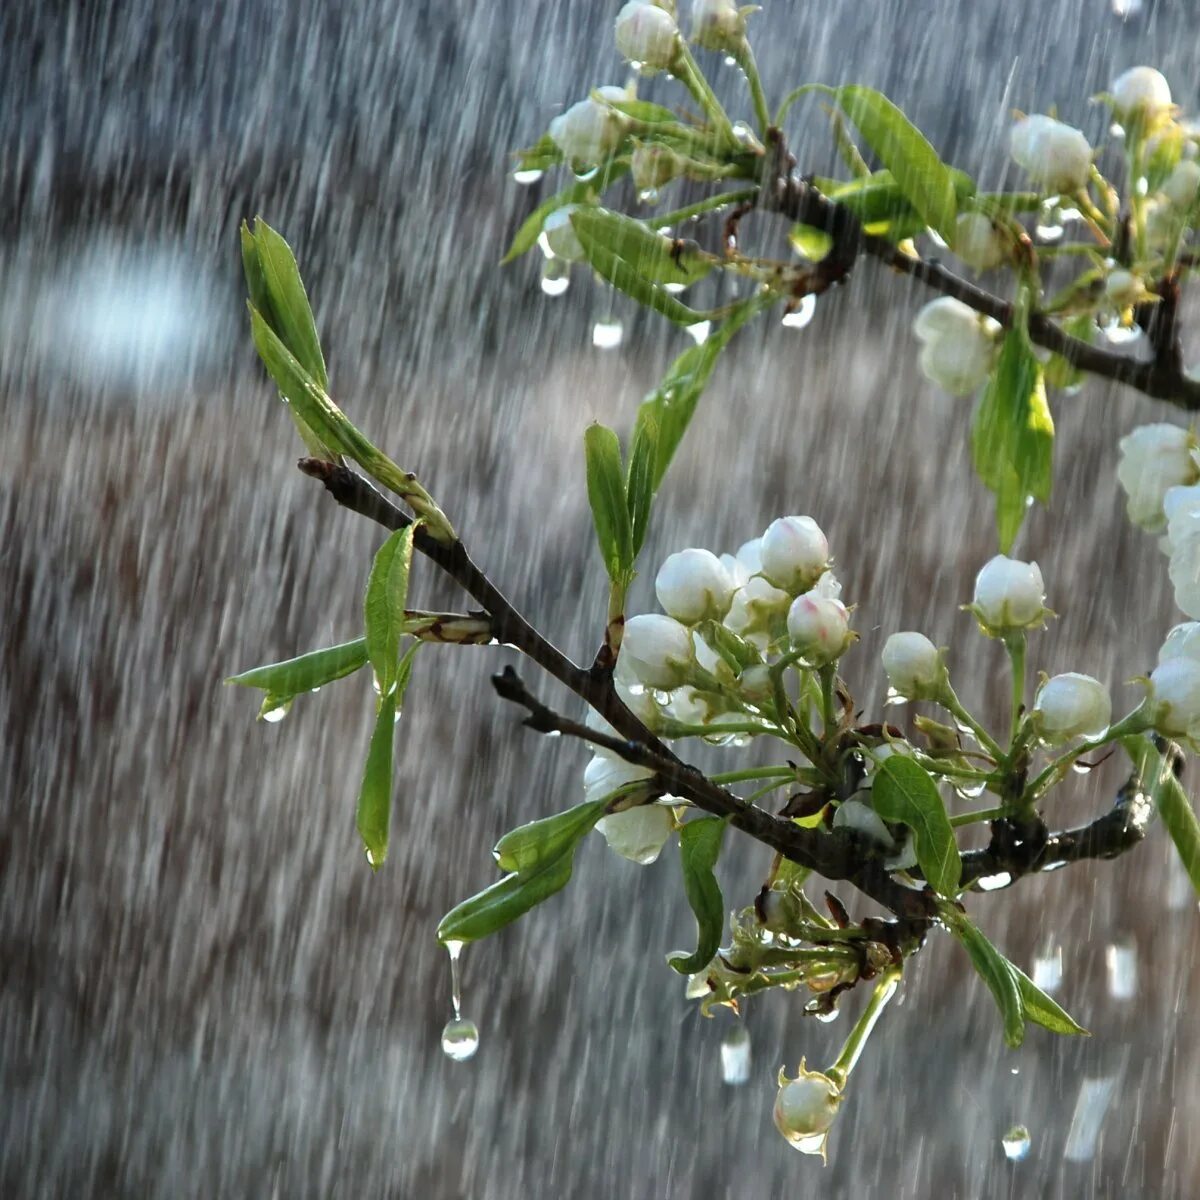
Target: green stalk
x: 689, y: 74
x: 980, y: 814
x: 744, y: 56
x: 721, y: 200
x: 1015, y: 645
x: 754, y: 773
x: 953, y: 705
x: 855, y: 1043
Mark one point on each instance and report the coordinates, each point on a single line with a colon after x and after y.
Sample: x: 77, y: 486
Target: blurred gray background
x: 203, y: 989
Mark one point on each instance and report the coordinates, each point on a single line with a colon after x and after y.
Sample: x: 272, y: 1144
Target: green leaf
x: 293, y: 318
x: 904, y: 791
x: 383, y: 605
x: 645, y: 110
x: 1171, y: 801
x: 903, y: 149
x: 585, y: 192
x: 810, y: 242
x: 1012, y: 437
x: 997, y: 972
x: 530, y: 848
x: 699, y: 848
x: 375, y: 794
x: 606, y: 494
x: 652, y: 255
x: 296, y: 676
x: 1041, y: 1010
x: 640, y: 481
x: 1059, y: 373
x: 503, y: 902
x: 544, y: 153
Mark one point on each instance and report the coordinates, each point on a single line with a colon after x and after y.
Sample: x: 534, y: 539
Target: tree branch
x: 1163, y: 378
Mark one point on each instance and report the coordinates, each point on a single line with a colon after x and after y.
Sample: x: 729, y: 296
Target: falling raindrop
x: 527, y: 177
x: 606, y: 335
x: 648, y: 196
x: 1090, y: 1108
x: 699, y: 332
x: 1121, y: 961
x: 992, y: 883
x: 460, y: 1039
x: 1016, y: 1143
x: 1048, y: 969
x: 735, y: 1054
x: 1126, y: 8
x: 802, y: 314
x: 556, y: 277
x: 274, y: 715
x: 1049, y: 223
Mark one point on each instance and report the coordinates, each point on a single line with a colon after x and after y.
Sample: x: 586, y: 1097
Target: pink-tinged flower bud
x: 658, y: 649
x: 794, y: 554
x: 819, y: 629
x: 1070, y: 706
x: 693, y: 585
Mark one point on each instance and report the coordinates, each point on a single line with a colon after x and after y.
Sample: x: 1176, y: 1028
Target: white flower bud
x: 1183, y: 184
x: 1182, y: 642
x: 605, y: 773
x: 913, y: 665
x: 1181, y: 508
x: 737, y: 570
x: 588, y: 132
x: 1009, y: 595
x: 647, y: 35
x: 694, y: 707
x: 755, y: 606
x: 1122, y: 288
x: 1055, y: 155
x: 750, y: 555
x: 560, y: 235
x: 828, y: 586
x: 805, y: 1108
x: 978, y: 242
x: 945, y: 317
x: 717, y: 24
x: 638, y: 834
x: 754, y: 684
x: 1184, y: 567
x: 1140, y: 92
x: 863, y: 819
x: 795, y: 553
x: 820, y: 629
x: 1153, y: 459
x: 1175, y: 697
x: 960, y: 345
x: 1070, y: 706
x: 658, y: 649
x: 692, y: 586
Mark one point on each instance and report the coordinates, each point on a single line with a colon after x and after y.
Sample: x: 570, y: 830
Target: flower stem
x: 953, y: 705
x: 690, y: 75
x: 980, y: 814
x: 744, y: 56
x: 720, y: 200
x: 884, y: 990
x: 754, y: 773
x: 1015, y: 645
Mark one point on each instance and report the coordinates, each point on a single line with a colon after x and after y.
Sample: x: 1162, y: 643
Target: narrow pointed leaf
x: 383, y: 605
x: 256, y: 280
x: 640, y: 481
x: 505, y: 901
x: 921, y: 175
x: 997, y: 972
x: 295, y: 676
x: 1012, y: 437
x: 375, y: 795
x: 293, y: 318
x: 652, y: 255
x: 699, y: 848
x: 586, y: 192
x: 1042, y: 1010
x: 904, y: 791
x: 531, y: 847
x: 1171, y: 801
x: 606, y: 495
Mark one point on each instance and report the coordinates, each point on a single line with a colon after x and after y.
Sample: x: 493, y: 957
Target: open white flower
x: 1055, y: 155
x: 1009, y: 595
x: 588, y: 132
x: 1070, y: 706
x: 1153, y: 459
x: 960, y: 345
x: 693, y: 585
x: 646, y: 34
x: 1182, y: 642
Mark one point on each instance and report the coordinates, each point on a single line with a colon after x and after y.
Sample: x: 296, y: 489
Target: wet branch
x: 1162, y: 378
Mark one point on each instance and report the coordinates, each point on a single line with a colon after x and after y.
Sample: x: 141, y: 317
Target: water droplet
x: 586, y: 174
x: 274, y: 715
x: 1126, y: 8
x: 937, y: 239
x: 525, y: 178
x: 1049, y: 223
x: 735, y: 1054
x: 1080, y: 768
x: 802, y: 315
x: 1120, y: 335
x: 1016, y: 1143
x: 1116, y: 130
x: 828, y: 1018
x: 699, y: 332
x: 730, y: 61
x: 543, y: 244
x: 1121, y: 961
x: 893, y: 698
x: 674, y: 288
x: 454, y: 949
x: 556, y: 277
x: 744, y: 136
x: 970, y: 791
x: 1048, y: 969
x: 460, y: 1039
x: 1090, y: 1108
x: 606, y: 335
x: 648, y: 196
x: 1015, y: 1070
x: 992, y: 883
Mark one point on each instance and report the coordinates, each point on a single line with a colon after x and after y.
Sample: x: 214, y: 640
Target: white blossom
x: 692, y: 585
x: 1182, y: 642
x: 755, y: 606
x: 646, y: 34
x: 959, y: 345
x: 913, y: 665
x: 1055, y: 155
x: 1140, y: 92
x: 588, y: 132
x: 1009, y: 595
x: 1175, y: 697
x: 863, y: 819
x: 1070, y: 706
x: 1153, y: 459
x: 560, y: 235
x: 794, y: 553
x: 658, y: 649
x: 605, y: 773
x: 978, y: 242
x: 640, y: 833
x: 1183, y: 184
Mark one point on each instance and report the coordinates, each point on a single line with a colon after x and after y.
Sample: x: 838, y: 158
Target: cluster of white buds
x: 1056, y: 156
x: 1154, y: 459
x: 959, y: 347
x: 588, y: 132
